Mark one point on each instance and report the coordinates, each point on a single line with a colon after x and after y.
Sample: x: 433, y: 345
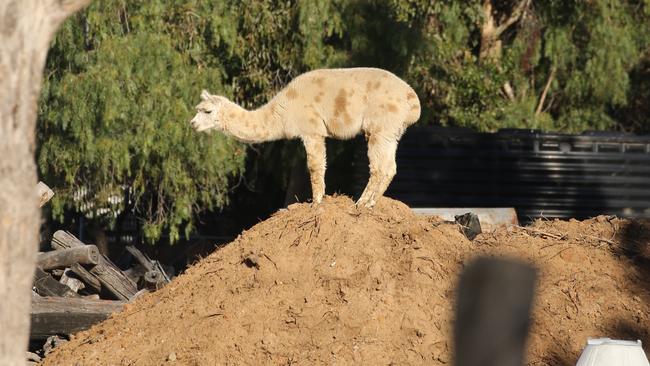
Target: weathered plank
x: 112, y: 279
x: 56, y: 315
x: 88, y: 254
x: 46, y: 285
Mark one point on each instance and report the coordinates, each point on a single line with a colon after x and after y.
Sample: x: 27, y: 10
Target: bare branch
x: 514, y: 17
x: 509, y: 92
x: 545, y: 91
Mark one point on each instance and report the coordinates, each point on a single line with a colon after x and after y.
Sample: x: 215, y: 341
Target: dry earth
x: 337, y: 285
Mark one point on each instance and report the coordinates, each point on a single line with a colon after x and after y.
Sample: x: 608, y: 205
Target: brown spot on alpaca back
x: 340, y: 103
x: 368, y: 86
x: 341, y: 107
x: 317, y: 99
x: 291, y: 93
x: 376, y: 85
x: 410, y: 95
x: 318, y: 81
x: 392, y: 107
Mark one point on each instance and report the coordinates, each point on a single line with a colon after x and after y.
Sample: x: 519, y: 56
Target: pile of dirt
x: 335, y: 285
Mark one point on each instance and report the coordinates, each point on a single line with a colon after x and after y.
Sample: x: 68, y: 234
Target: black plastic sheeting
x: 540, y: 174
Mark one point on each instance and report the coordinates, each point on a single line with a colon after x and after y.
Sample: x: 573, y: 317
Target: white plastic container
x: 612, y: 352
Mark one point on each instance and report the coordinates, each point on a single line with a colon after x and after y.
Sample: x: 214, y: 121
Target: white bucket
x: 612, y: 352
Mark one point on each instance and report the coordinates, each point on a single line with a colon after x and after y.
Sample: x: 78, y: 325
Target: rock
x: 470, y: 224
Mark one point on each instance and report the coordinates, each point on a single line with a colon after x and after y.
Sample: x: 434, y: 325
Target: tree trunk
x: 26, y: 28
x: 490, y: 43
x: 491, y: 31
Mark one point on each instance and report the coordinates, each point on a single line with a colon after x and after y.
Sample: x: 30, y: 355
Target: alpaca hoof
x: 362, y: 202
x: 316, y: 201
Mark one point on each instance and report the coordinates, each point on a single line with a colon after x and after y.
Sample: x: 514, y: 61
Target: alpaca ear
x: 205, y: 95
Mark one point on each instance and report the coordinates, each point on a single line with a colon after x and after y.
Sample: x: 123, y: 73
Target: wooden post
x: 494, y: 300
x: 57, y: 315
x: 26, y: 30
x: 88, y: 254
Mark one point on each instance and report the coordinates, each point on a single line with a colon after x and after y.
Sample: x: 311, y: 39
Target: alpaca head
x: 208, y: 116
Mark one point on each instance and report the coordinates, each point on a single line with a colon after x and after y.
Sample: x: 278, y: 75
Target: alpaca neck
x: 262, y: 124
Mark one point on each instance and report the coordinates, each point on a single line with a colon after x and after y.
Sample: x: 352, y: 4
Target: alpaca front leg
x: 316, y: 158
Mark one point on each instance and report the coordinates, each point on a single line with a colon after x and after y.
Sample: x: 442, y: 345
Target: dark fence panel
x: 540, y: 174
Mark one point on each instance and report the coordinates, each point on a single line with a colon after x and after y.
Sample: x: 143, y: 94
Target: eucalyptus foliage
x: 583, y: 50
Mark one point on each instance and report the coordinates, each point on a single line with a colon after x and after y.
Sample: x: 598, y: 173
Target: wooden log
x: 64, y: 240
x: 44, y: 193
x: 113, y: 280
x: 88, y: 278
x: 46, y: 285
x: 88, y: 254
x: 109, y: 275
x: 140, y: 257
x: 155, y: 277
x: 153, y: 280
x: 56, y: 315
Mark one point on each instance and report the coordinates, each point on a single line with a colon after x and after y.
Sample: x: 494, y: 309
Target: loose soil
x: 336, y: 285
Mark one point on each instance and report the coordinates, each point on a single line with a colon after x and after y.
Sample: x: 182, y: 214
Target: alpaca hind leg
x: 370, y: 187
x: 381, y: 155
x: 388, y: 168
x: 316, y: 160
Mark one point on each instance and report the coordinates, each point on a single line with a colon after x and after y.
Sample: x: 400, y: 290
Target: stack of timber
x: 75, y: 286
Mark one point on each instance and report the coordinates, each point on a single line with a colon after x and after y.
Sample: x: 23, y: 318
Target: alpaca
x: 335, y: 103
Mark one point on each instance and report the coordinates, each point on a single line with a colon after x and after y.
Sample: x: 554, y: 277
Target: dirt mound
x: 337, y: 285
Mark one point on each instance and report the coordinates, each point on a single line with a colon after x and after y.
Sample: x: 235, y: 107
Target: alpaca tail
x: 414, y: 111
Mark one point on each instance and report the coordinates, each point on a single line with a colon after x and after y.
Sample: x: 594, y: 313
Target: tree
x: 552, y: 65
x: 115, y: 117
x: 26, y: 28
x: 123, y: 78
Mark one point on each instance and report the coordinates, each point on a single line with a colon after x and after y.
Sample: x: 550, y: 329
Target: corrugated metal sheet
x: 540, y: 174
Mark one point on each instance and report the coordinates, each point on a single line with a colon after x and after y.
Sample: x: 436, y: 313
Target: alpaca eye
x: 207, y: 111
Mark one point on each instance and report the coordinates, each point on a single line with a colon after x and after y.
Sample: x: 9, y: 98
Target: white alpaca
x: 337, y: 103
